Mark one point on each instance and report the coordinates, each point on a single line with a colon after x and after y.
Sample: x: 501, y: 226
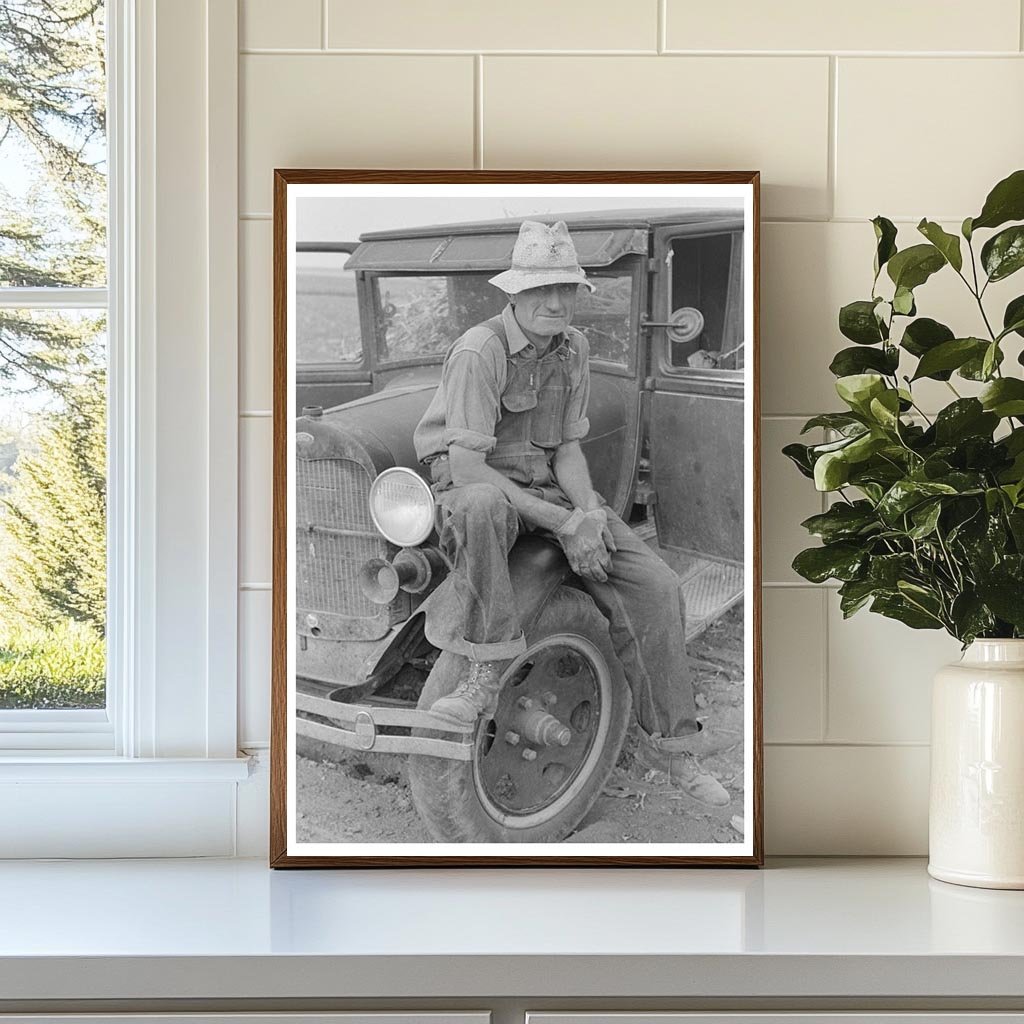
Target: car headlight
x: 402, y: 507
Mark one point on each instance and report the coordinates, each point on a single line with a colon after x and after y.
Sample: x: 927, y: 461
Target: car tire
x: 504, y: 794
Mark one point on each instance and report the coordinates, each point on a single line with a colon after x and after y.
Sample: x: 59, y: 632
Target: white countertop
x: 234, y: 928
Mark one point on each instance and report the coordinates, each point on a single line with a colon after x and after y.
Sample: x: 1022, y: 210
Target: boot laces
x: 474, y: 681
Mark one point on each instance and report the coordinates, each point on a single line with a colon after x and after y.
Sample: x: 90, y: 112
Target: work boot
x: 476, y: 694
x: 682, y: 769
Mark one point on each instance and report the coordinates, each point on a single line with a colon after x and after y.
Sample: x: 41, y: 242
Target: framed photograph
x: 516, y: 604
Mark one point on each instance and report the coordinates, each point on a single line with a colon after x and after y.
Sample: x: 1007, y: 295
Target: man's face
x: 546, y: 311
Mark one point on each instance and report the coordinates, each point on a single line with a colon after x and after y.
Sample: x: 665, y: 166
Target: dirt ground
x: 350, y: 796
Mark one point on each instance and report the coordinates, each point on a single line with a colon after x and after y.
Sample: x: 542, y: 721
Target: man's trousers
x: 640, y: 600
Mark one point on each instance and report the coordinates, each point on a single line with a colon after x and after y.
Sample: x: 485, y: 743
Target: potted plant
x: 927, y: 521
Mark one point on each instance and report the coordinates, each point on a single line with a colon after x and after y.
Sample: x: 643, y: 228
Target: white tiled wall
x: 906, y: 109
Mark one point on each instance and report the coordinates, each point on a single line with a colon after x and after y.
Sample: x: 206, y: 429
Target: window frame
x: 173, y: 434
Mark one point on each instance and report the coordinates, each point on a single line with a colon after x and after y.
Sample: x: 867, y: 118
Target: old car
x: 666, y: 332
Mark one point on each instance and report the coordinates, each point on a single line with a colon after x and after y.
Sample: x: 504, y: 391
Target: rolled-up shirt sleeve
x: 576, y: 425
x: 472, y: 396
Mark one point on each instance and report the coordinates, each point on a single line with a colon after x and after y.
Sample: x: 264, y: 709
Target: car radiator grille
x: 335, y: 536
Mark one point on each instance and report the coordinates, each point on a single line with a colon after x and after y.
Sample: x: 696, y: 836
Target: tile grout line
x: 824, y: 682
x: 478, y: 111
x: 323, y: 24
x: 336, y: 51
x: 852, y: 744
x: 831, y: 171
x: 662, y: 27
x: 1020, y: 24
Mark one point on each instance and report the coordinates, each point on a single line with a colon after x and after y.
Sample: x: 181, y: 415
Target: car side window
x: 706, y: 303
x: 326, y: 310
x: 604, y: 316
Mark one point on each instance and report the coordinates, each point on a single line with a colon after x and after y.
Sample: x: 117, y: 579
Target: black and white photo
x: 515, y: 489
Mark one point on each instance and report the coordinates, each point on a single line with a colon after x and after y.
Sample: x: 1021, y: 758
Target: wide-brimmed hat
x: 543, y: 255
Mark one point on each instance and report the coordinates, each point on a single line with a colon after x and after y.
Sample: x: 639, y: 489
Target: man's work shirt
x: 496, y: 396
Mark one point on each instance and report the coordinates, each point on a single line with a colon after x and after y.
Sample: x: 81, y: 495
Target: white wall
x: 906, y: 109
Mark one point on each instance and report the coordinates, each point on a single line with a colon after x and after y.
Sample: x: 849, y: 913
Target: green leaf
x: 857, y: 321
x: 899, y: 608
x: 1005, y: 202
x: 831, y: 471
x: 799, y: 455
x: 841, y: 421
x: 970, y: 617
x: 1004, y: 397
x: 964, y: 482
x: 840, y: 561
x: 906, y: 494
x: 950, y: 355
x: 1014, y: 441
x: 843, y: 521
x: 887, y: 570
x: 854, y: 594
x: 885, y: 409
x: 912, y: 267
x: 858, y: 389
x: 1006, y: 599
x: 990, y: 360
x: 1003, y: 254
x: 903, y: 302
x: 965, y: 229
x: 974, y: 368
x: 966, y: 417
x: 872, y: 491
x: 1013, y: 317
x: 864, y: 446
x: 947, y: 244
x: 995, y: 499
x: 923, y: 335
x: 925, y: 518
x: 818, y: 450
x: 885, y: 236
x: 850, y: 361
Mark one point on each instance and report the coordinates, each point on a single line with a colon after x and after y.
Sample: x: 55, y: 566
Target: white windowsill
x: 78, y: 766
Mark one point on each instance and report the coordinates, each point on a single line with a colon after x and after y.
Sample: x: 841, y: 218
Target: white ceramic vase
x: 976, y: 814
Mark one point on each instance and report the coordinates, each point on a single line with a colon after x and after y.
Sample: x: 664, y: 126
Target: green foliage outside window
x: 52, y: 366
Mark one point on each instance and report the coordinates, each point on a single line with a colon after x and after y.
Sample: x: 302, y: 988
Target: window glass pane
x: 53, y: 149
x: 422, y: 316
x: 704, y: 301
x: 52, y: 509
x: 603, y: 316
x: 326, y: 310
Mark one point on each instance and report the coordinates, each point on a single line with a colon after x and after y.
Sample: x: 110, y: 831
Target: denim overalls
x: 532, y: 416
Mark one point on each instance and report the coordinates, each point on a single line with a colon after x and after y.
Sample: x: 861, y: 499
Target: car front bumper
x: 357, y: 727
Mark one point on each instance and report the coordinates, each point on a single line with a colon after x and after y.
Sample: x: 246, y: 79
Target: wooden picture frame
x: 672, y: 334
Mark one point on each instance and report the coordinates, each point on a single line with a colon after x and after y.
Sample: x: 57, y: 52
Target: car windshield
x: 420, y: 315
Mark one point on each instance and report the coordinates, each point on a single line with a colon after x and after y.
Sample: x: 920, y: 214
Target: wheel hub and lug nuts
x: 511, y: 738
x: 529, y: 754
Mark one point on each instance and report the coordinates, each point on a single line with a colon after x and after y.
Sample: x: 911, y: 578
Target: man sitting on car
x: 502, y: 439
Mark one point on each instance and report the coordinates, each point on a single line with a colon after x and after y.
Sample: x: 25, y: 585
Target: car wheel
x: 568, y: 689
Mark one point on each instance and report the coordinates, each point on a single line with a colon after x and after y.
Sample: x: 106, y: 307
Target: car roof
x: 595, y: 219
